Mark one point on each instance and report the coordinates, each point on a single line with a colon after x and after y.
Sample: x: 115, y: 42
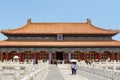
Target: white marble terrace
x: 22, y: 71
x: 28, y: 71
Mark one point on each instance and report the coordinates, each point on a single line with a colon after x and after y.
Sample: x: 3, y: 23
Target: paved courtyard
x: 45, y: 71
x: 63, y: 72
x: 54, y: 73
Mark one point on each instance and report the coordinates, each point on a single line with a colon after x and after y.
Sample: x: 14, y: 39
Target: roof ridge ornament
x: 88, y: 21
x: 29, y: 21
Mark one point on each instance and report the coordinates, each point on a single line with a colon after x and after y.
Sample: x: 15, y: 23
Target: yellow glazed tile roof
x: 59, y: 28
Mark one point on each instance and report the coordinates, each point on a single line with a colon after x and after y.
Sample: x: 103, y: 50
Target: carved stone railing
x: 37, y: 75
x: 111, y: 74
x: 22, y: 71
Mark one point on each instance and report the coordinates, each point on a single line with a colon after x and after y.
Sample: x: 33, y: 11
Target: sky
x: 103, y: 13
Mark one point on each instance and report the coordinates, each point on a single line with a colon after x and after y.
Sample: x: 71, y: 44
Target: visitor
x: 63, y: 61
x: 60, y: 61
x: 72, y: 68
x: 75, y: 69
x: 55, y: 62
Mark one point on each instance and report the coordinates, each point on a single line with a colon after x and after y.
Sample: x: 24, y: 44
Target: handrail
x: 111, y: 74
x: 37, y: 75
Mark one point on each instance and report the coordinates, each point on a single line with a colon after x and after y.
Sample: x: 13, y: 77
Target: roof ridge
x: 58, y: 23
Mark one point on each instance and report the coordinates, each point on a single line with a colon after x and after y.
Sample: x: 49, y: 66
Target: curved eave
x: 8, y: 32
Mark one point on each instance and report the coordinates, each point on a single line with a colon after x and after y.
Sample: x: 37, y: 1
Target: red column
x: 0, y: 56
x: 77, y: 56
x: 112, y: 56
x: 99, y: 56
x: 7, y: 56
x: 20, y: 57
x: 35, y: 57
x: 119, y: 56
x: 84, y: 57
x: 10, y: 56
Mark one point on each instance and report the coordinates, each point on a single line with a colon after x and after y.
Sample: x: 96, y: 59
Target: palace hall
x: 59, y: 41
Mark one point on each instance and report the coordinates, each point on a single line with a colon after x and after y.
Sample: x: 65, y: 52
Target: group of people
x: 73, y: 68
x: 57, y: 62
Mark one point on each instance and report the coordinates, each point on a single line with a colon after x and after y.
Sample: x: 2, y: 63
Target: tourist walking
x: 55, y: 62
x: 72, y: 68
x: 75, y: 69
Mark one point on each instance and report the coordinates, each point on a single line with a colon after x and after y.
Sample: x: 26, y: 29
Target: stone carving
x: 88, y: 21
x: 28, y: 21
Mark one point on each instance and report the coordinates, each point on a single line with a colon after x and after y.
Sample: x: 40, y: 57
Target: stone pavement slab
x: 68, y: 76
x: 54, y: 73
x: 91, y: 76
x: 63, y: 72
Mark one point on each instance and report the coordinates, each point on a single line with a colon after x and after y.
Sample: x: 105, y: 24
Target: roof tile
x: 57, y: 28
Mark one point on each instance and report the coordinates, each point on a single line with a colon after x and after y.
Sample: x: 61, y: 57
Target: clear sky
x: 103, y: 13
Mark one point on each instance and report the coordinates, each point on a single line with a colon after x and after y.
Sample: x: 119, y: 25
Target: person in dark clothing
x: 72, y: 68
x: 75, y: 69
x: 55, y: 62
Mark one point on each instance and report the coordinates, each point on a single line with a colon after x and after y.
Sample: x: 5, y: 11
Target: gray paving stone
x: 91, y: 76
x: 54, y: 73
